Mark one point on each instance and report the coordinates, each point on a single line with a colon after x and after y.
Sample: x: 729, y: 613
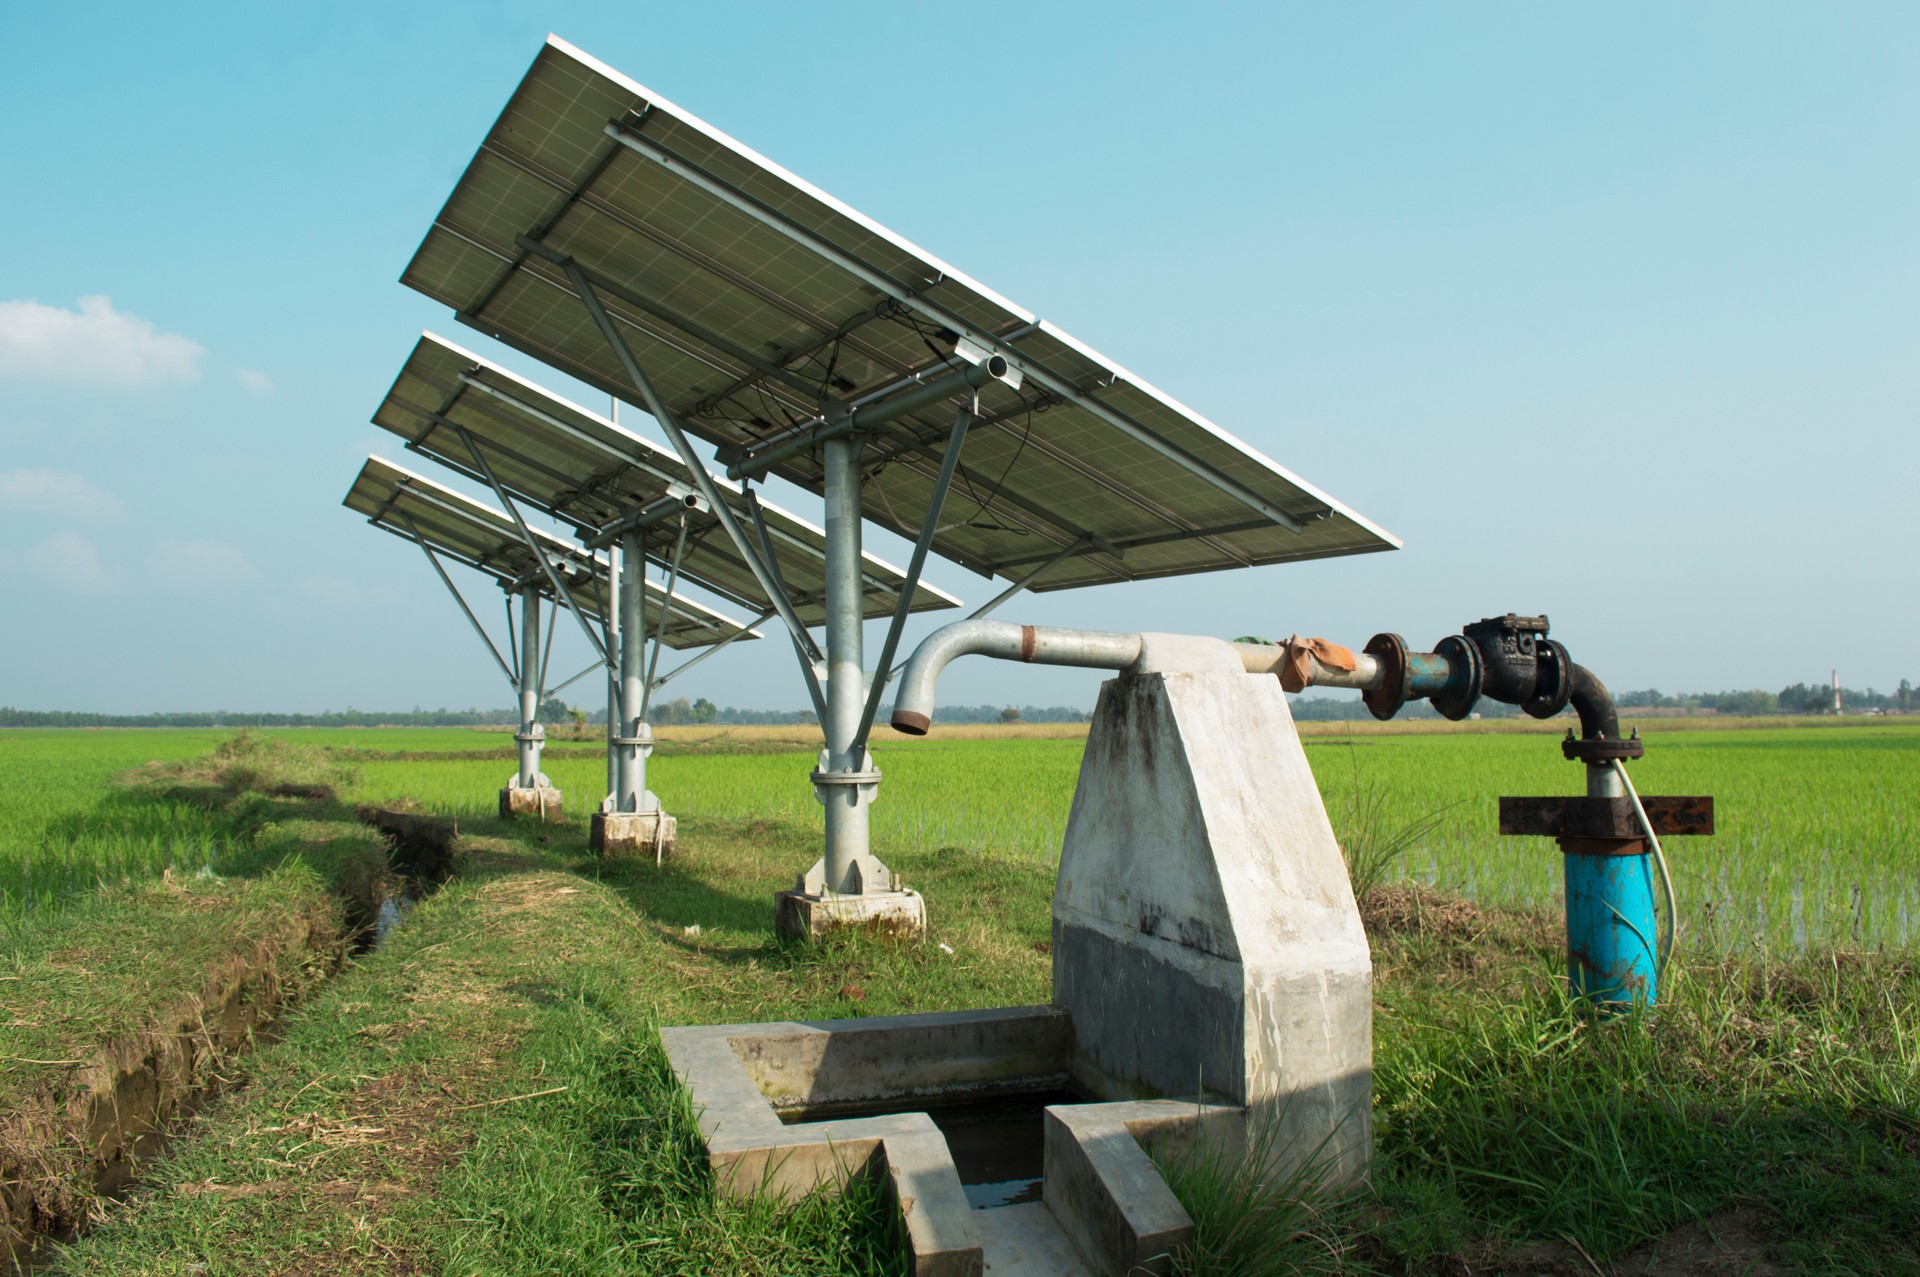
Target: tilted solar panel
x: 586, y: 470
x: 406, y: 504
x: 751, y: 299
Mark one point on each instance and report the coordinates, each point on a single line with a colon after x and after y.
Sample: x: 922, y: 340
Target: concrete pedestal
x: 802, y: 915
x: 633, y: 833
x: 1206, y: 939
x: 542, y: 803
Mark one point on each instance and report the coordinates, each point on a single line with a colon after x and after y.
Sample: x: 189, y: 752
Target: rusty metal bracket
x: 1579, y: 817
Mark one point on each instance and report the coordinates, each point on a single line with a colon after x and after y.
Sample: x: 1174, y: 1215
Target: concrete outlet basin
x: 785, y: 1108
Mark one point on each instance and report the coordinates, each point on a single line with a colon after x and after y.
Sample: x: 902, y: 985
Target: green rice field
x: 1818, y: 828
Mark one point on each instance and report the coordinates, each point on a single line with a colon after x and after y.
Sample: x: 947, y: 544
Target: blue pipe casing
x: 1612, y: 956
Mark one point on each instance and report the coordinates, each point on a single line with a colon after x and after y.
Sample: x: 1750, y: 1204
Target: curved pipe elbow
x: 1594, y: 704
x: 1090, y: 649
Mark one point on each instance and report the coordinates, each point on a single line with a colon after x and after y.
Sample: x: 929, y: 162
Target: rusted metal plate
x: 1580, y: 817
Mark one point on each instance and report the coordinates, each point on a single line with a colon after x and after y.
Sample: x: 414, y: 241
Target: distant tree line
x: 10, y: 717
x: 1800, y: 698
x: 680, y: 711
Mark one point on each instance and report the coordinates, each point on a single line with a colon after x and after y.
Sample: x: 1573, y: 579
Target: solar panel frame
x: 390, y: 496
x: 587, y: 471
x: 549, y: 179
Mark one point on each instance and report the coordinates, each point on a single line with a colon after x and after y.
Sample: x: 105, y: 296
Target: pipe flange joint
x: 1462, y: 693
x: 1386, y: 700
x: 1601, y: 750
x: 642, y: 743
x: 534, y: 737
x: 864, y: 782
x: 1553, y: 683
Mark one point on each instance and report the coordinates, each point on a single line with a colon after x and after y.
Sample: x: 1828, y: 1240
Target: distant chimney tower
x: 1836, y: 691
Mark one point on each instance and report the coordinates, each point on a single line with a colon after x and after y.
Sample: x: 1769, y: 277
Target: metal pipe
x: 1087, y: 649
x: 528, y: 737
x: 656, y: 511
x: 611, y: 623
x: 845, y: 800
x: 993, y: 603
x: 1594, y: 704
x: 960, y: 381
x: 613, y: 729
x: 632, y: 781
x: 1265, y: 658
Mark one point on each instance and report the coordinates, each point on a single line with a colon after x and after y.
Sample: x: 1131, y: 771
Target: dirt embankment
x: 76, y: 1125
x: 124, y: 1011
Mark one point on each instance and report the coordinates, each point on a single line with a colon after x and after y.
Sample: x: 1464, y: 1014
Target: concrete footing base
x: 542, y: 804
x: 799, y: 915
x: 633, y: 833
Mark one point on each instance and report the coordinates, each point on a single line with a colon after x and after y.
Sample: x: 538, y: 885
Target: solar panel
x: 399, y: 501
x: 751, y: 297
x: 587, y: 471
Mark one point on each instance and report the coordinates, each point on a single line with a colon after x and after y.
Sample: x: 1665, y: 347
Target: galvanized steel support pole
x: 613, y: 729
x: 632, y: 781
x: 528, y: 737
x: 844, y: 797
x: 612, y: 621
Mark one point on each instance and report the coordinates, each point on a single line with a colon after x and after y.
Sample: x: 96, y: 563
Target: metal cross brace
x: 512, y: 673
x: 533, y: 544
x: 670, y: 425
x: 881, y: 672
x: 660, y: 626
x: 808, y: 668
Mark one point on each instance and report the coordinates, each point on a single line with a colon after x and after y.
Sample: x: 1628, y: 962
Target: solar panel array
x: 399, y: 501
x: 750, y: 297
x: 588, y: 471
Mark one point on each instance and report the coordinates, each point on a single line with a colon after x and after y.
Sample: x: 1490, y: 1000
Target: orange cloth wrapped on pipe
x: 1298, y: 655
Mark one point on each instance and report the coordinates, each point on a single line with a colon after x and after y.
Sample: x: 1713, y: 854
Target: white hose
x: 1659, y: 858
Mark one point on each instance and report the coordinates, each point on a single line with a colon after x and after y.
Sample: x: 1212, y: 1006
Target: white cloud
x: 68, y: 560
x: 57, y: 493
x: 200, y: 566
x: 258, y: 382
x: 93, y: 343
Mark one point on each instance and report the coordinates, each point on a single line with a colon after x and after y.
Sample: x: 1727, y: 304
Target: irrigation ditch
x: 84, y: 1126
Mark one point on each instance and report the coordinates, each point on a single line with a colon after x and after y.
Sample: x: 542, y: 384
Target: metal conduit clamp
x: 865, y: 783
x: 641, y: 740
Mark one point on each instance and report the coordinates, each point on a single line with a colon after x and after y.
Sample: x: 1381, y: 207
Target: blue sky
x: 1612, y: 314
